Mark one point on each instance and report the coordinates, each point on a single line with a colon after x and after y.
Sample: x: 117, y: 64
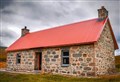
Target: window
x: 65, y: 57
x: 18, y: 58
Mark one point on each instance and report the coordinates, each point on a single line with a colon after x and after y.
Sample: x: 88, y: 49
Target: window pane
x: 18, y: 58
x: 66, y: 53
x: 65, y: 60
x: 65, y: 57
x: 18, y: 61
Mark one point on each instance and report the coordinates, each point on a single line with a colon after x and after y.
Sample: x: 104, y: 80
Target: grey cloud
x: 1, y: 44
x: 47, y: 13
x: 8, y: 34
x: 5, y: 3
x: 118, y: 38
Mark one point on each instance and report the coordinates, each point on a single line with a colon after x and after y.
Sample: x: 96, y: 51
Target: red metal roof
x: 77, y: 33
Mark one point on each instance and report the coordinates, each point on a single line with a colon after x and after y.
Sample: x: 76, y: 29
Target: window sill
x: 65, y: 65
x: 18, y: 63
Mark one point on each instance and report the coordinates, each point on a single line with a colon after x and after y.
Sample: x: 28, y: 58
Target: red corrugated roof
x: 77, y: 33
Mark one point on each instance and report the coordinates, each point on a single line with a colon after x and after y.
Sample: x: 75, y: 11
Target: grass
x: 12, y: 77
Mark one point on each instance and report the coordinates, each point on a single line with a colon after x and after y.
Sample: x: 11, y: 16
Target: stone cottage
x: 80, y: 49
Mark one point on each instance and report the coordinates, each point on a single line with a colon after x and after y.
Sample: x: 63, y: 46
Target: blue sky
x: 43, y: 14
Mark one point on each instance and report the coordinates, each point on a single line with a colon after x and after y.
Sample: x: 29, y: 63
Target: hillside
x: 117, y: 59
x: 3, y: 56
x: 2, y: 53
x: 117, y: 62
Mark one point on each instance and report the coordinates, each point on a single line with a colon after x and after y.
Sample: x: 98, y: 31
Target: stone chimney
x: 102, y: 13
x: 24, y: 31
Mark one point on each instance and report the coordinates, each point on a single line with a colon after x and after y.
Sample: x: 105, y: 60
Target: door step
x: 37, y: 71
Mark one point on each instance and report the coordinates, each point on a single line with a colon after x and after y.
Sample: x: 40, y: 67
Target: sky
x: 43, y: 14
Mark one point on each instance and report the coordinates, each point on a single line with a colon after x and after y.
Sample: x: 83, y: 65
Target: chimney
x: 24, y: 31
x: 102, y: 13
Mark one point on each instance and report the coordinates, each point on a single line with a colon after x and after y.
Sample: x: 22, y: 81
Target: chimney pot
x: 24, y: 31
x: 102, y: 7
x: 25, y: 27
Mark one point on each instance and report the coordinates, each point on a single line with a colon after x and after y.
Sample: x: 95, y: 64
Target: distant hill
x: 117, y: 59
x: 117, y: 62
x: 3, y: 47
x: 3, y: 54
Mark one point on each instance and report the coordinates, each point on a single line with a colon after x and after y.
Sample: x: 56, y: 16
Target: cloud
x: 1, y: 44
x: 42, y: 14
x: 8, y: 34
x: 5, y: 3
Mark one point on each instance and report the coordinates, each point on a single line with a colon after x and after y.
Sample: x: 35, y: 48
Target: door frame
x: 38, y: 61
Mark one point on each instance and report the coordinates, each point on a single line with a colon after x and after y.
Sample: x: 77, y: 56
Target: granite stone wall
x: 81, y: 61
x: 104, y: 53
x: 26, y: 64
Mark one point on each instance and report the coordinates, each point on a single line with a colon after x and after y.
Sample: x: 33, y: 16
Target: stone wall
x: 104, y: 50
x: 81, y: 61
x: 51, y: 60
x: 27, y: 61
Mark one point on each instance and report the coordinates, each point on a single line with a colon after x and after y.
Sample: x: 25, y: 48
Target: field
x: 14, y: 77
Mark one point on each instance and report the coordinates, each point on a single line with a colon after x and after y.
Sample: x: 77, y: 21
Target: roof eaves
x: 63, y: 45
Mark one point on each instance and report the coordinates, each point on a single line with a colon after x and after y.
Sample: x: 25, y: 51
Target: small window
x: 18, y: 58
x: 65, y: 57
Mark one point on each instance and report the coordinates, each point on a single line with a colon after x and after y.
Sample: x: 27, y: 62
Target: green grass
x: 11, y: 77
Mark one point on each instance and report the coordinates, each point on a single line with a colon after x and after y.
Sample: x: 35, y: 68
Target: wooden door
x: 38, y: 61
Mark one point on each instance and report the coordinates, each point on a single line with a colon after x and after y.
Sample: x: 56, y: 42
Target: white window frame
x: 62, y: 63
